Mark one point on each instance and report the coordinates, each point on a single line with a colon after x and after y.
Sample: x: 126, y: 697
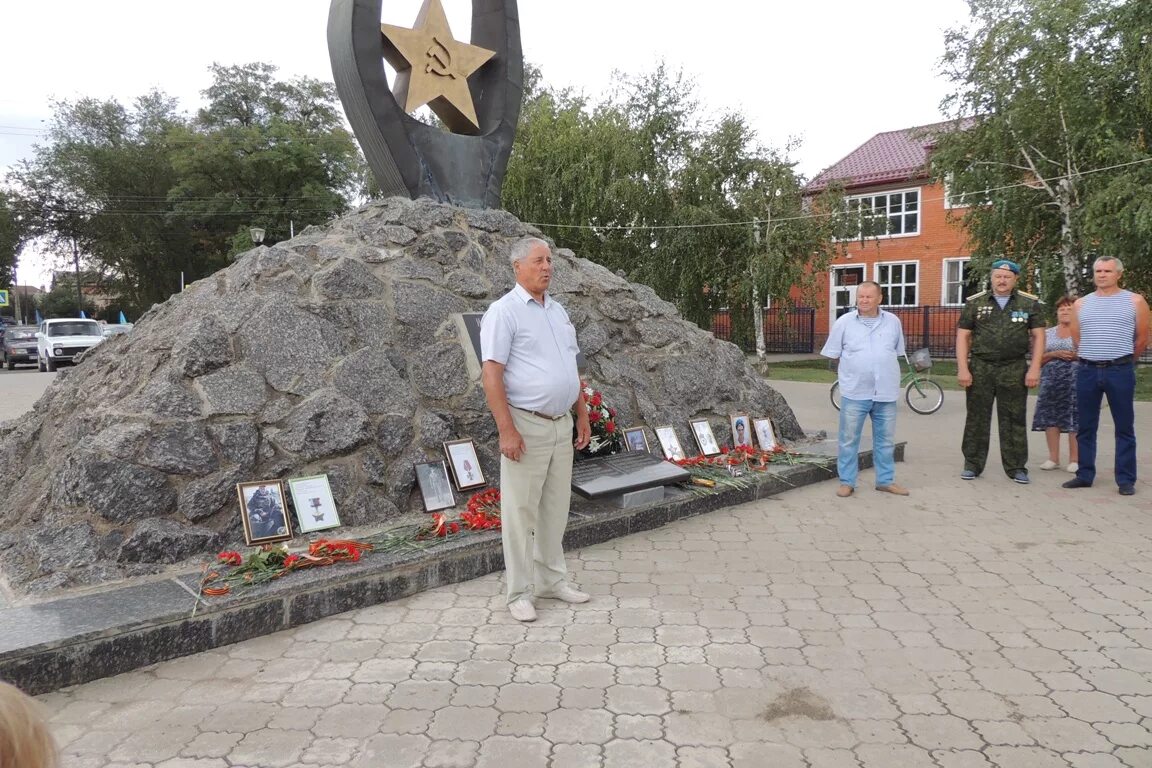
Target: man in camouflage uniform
x: 995, y: 332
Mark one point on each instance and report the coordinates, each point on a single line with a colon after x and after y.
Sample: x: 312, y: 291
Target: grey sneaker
x: 967, y: 474
x: 1020, y: 476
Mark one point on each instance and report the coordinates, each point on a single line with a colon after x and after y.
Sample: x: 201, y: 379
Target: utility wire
x: 591, y: 227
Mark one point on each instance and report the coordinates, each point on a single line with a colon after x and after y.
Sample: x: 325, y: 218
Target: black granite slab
x: 77, y: 638
x: 624, y: 472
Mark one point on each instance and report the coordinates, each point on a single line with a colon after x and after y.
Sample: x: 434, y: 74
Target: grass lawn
x: 943, y: 371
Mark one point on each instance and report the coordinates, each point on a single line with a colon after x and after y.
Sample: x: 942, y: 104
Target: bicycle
x: 923, y: 395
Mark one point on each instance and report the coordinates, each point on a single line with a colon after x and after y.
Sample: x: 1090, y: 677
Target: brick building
x: 909, y: 246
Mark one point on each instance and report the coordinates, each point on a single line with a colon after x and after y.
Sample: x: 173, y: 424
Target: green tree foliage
x: 1054, y: 99
x: 148, y: 195
x: 264, y: 153
x: 642, y: 183
x: 61, y: 302
x: 12, y: 237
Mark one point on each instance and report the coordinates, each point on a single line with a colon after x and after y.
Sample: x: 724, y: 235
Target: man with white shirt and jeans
x: 531, y: 384
x: 868, y: 344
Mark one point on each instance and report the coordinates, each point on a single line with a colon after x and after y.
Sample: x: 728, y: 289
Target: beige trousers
x: 535, y: 494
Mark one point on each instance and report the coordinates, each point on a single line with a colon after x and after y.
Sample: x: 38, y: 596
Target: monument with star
x: 474, y: 88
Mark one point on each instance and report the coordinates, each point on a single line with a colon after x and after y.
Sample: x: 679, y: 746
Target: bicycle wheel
x: 834, y: 395
x: 924, y: 396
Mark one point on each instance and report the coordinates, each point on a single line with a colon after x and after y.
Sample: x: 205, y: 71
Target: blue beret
x: 1011, y: 266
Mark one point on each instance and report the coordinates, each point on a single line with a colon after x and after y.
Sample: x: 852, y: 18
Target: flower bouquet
x: 274, y: 561
x: 607, y: 437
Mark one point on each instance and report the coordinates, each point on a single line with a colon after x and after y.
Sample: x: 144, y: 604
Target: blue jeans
x: 852, y: 415
x: 1118, y: 384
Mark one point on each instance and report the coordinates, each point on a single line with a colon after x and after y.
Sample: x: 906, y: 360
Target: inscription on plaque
x: 624, y: 472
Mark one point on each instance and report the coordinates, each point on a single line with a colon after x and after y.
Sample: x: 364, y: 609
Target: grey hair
x: 1119, y: 264
x: 522, y: 247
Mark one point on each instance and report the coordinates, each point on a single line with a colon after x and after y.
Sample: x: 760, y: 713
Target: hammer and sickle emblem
x: 441, y: 60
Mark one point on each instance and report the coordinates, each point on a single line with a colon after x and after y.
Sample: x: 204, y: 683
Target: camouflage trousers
x: 1001, y: 384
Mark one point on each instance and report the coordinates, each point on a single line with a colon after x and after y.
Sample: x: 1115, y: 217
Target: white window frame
x: 950, y: 202
x: 962, y: 200
x: 887, y: 286
x: 945, y: 283
x: 872, y: 196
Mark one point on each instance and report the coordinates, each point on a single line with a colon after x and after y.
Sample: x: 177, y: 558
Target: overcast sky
x: 831, y: 73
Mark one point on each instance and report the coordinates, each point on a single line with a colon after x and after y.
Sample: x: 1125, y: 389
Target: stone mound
x: 335, y: 352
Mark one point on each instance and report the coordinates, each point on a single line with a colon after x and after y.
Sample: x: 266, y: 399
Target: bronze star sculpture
x: 433, y: 68
x: 475, y: 89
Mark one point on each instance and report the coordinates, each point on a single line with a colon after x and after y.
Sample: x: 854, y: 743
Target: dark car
x: 19, y: 345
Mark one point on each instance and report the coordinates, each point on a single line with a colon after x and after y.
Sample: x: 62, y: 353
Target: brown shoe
x: 898, y: 490
x: 844, y: 491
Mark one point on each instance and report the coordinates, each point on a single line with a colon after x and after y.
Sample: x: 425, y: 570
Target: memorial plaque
x: 624, y: 472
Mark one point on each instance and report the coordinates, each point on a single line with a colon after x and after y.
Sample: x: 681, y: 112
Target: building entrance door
x: 845, y: 281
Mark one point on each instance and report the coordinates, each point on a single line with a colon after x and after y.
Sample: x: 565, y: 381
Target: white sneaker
x: 1073, y: 467
x: 1049, y: 464
x: 522, y: 609
x: 567, y: 593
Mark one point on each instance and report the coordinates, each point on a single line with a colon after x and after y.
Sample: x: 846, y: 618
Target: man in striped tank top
x: 1110, y: 330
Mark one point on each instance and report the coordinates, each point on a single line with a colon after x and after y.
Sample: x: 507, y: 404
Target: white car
x: 61, y: 339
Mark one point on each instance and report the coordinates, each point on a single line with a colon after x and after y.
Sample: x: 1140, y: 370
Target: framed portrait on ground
x: 465, y: 466
x: 435, y: 490
x: 741, y: 430
x: 765, y: 436
x: 705, y: 440
x: 636, y: 440
x: 315, y: 507
x: 669, y: 443
x: 263, y: 512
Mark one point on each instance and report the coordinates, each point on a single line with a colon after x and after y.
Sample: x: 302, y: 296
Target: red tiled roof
x: 885, y: 158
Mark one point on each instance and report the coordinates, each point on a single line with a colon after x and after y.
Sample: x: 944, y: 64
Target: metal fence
x: 932, y: 327
x: 794, y: 331
x: 791, y: 331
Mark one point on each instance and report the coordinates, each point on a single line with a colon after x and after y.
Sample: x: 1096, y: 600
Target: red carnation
x: 230, y: 558
x: 609, y: 427
x: 597, y: 398
x: 594, y: 416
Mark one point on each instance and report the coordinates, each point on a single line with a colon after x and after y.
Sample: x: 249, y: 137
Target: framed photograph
x: 465, y: 466
x: 636, y: 439
x: 312, y: 499
x: 741, y: 430
x: 263, y: 512
x: 435, y: 490
x: 764, y: 434
x: 705, y: 440
x: 669, y: 443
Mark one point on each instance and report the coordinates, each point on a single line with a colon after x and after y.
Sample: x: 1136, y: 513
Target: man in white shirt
x: 531, y: 383
x: 868, y: 344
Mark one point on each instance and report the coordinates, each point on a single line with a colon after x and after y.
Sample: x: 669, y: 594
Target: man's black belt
x: 537, y: 413
x: 1126, y: 360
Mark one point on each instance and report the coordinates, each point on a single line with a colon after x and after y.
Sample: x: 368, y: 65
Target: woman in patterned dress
x: 1056, y: 404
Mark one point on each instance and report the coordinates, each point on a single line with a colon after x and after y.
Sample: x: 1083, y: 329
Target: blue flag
x: 123, y: 320
x: 38, y: 318
x: 83, y: 315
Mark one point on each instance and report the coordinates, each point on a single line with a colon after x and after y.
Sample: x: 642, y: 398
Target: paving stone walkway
x: 971, y: 624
